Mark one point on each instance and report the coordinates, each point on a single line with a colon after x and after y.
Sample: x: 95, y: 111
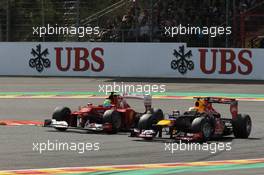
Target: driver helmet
x: 200, y: 105
x: 107, y: 103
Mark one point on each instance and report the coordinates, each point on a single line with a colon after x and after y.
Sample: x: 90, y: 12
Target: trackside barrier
x: 159, y: 60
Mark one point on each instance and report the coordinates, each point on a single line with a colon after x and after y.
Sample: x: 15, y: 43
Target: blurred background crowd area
x: 136, y: 20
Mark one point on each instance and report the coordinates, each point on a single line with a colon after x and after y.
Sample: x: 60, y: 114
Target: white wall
x: 129, y: 60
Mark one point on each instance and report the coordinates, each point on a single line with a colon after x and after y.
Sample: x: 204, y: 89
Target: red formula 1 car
x: 202, y: 122
x: 114, y: 115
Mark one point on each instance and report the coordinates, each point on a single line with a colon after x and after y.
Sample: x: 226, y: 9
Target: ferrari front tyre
x: 114, y: 118
x: 61, y: 114
x: 242, y: 126
x: 47, y: 122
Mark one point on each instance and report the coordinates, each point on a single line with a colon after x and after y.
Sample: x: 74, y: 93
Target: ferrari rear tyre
x: 114, y: 118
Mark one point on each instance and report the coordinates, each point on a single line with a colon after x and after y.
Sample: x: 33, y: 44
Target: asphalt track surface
x: 16, y: 142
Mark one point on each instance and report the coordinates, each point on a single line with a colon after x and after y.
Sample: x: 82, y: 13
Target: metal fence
x: 134, y: 20
x: 17, y: 17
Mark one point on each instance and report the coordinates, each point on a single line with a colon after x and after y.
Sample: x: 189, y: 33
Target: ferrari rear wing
x: 146, y: 98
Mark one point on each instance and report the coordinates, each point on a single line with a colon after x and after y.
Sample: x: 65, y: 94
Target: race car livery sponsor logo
x: 182, y: 61
x: 39, y: 60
